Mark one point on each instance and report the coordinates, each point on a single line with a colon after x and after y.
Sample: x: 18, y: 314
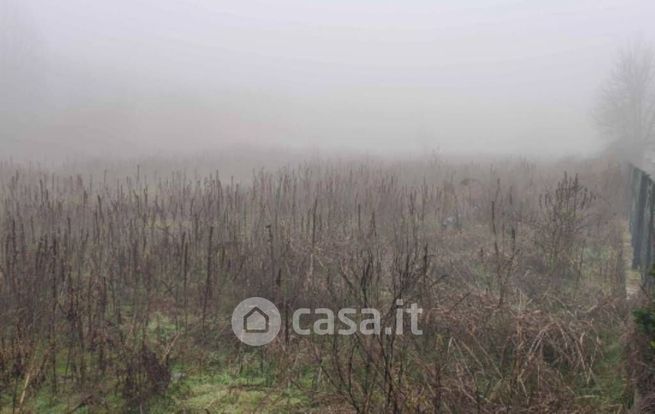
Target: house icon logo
x: 256, y: 321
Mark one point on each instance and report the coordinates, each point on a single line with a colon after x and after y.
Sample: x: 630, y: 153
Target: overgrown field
x: 117, y: 288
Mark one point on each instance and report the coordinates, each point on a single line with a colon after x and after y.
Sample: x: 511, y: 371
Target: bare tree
x: 626, y: 111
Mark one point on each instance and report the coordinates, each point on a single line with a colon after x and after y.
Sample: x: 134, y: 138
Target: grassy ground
x: 193, y: 390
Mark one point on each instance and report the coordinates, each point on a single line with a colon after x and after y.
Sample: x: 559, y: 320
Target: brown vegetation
x: 519, y: 268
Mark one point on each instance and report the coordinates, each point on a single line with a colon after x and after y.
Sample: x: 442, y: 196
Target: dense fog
x: 135, y: 77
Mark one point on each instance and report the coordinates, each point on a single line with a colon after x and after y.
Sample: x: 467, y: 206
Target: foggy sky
x: 146, y: 76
